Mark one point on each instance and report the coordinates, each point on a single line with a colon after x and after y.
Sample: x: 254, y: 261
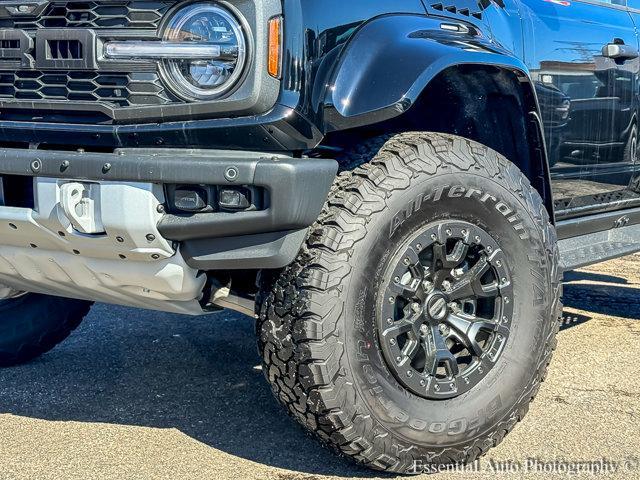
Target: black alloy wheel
x: 446, y: 312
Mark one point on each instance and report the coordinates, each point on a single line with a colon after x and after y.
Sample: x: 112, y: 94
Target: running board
x: 599, y: 247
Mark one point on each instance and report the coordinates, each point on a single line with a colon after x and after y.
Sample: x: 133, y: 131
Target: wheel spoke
x: 489, y: 290
x: 405, y: 290
x: 442, y: 260
x: 467, y: 328
x: 465, y: 331
x: 412, y: 261
x: 458, y: 254
x: 462, y: 289
x: 418, y: 271
x: 400, y: 327
x: 439, y: 256
x: 411, y: 348
x: 469, y: 285
x: 438, y: 354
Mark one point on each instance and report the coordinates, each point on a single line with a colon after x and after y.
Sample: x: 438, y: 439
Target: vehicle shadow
x: 607, y: 300
x: 577, y: 275
x: 197, y: 375
x: 611, y: 296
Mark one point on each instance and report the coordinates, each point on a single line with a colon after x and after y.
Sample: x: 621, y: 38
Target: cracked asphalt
x: 145, y: 395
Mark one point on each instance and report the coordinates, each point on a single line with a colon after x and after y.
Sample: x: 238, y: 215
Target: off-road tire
x: 320, y: 351
x: 33, y: 324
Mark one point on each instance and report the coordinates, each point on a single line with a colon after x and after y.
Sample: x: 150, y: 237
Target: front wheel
x: 417, y: 323
x: 32, y: 324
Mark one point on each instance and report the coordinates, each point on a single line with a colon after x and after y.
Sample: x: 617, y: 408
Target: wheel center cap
x: 437, y: 307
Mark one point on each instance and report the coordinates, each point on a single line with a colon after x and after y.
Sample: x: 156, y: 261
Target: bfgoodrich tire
x: 33, y: 324
x: 417, y: 323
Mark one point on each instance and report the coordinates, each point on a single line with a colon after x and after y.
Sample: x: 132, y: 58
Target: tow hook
x: 81, y: 205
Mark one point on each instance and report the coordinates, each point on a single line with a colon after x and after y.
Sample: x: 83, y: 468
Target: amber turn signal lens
x: 275, y: 47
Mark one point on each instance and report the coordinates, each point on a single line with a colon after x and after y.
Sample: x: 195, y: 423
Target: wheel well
x: 490, y: 105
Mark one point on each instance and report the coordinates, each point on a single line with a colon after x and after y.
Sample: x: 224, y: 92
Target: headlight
x: 203, y: 52
x: 205, y: 24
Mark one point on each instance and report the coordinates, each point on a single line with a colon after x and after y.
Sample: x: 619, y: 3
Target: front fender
x: 391, y: 59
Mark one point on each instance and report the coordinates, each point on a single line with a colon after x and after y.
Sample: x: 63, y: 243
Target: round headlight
x: 194, y: 77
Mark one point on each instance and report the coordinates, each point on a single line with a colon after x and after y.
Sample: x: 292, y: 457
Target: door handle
x: 620, y: 52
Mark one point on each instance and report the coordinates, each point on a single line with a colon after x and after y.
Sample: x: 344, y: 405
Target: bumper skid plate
x: 97, y: 230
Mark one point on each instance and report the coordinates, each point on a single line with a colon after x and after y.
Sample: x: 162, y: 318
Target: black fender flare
x: 391, y: 59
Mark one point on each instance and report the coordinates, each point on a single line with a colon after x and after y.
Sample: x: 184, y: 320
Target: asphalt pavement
x: 136, y: 394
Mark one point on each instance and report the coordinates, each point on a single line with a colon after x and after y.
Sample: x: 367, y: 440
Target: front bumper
x: 270, y: 237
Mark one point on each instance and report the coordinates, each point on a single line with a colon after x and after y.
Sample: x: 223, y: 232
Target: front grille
x: 142, y: 14
x: 57, y: 77
x: 121, y: 89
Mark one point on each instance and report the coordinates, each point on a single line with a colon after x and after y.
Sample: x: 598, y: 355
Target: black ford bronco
x: 392, y: 188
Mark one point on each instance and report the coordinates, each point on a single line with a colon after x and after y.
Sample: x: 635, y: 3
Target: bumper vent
x: 142, y: 14
x: 9, y: 44
x: 122, y: 89
x: 64, y: 49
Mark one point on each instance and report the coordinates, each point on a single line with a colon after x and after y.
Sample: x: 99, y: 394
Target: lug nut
x: 415, y: 307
